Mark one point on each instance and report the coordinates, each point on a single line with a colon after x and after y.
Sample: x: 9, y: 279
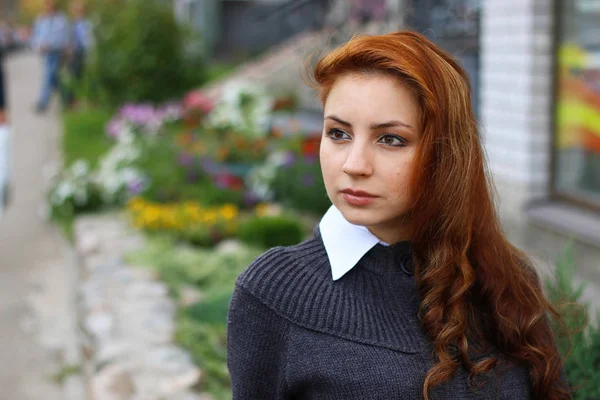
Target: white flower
x: 276, y: 159
x: 80, y: 168
x: 63, y: 191
x: 245, y: 107
x: 127, y: 134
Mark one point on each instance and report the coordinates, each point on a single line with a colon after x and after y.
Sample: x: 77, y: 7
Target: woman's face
x: 370, y: 137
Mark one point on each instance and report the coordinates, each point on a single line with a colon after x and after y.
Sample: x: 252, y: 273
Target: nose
x: 358, y: 162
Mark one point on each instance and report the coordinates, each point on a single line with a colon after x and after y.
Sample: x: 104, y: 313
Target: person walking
x: 5, y: 179
x: 80, y: 42
x: 5, y: 45
x: 50, y: 39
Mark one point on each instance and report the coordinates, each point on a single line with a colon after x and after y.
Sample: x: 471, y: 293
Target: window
x: 576, y: 172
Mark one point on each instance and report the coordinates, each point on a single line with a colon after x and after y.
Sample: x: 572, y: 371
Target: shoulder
x: 276, y: 274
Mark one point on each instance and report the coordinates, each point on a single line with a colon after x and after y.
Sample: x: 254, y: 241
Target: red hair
x: 476, y: 287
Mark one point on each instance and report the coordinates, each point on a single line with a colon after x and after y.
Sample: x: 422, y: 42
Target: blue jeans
x: 52, y: 61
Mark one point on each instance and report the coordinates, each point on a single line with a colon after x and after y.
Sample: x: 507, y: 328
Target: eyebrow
x: 373, y: 126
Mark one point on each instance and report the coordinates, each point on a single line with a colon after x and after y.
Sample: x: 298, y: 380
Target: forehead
x: 372, y: 97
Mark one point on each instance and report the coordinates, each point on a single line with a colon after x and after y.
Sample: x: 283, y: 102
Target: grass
x: 83, y: 138
x: 201, y: 327
x: 83, y: 135
x: 67, y: 227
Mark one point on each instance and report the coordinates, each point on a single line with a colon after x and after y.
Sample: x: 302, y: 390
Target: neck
x: 391, y: 236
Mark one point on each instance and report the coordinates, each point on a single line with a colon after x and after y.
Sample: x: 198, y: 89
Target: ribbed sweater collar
x: 375, y: 303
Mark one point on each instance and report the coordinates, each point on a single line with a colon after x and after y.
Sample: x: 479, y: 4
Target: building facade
x: 540, y: 114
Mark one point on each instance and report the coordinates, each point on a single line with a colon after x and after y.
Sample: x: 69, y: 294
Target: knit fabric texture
x: 294, y: 333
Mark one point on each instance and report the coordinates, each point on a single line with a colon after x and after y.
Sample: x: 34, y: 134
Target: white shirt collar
x: 345, y: 243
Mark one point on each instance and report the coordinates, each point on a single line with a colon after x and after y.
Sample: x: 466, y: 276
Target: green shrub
x: 300, y: 186
x: 212, y: 310
x: 582, y: 366
x: 271, y: 231
x: 142, y: 54
x: 159, y: 161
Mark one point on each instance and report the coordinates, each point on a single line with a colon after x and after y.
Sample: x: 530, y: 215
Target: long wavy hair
x: 475, y: 286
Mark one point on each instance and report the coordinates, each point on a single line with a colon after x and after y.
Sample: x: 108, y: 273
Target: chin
x: 360, y: 216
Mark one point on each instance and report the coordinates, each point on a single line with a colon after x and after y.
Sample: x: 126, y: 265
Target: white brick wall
x: 516, y: 92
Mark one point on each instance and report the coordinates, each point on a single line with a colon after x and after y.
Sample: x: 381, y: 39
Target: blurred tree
x: 141, y: 52
x: 30, y: 9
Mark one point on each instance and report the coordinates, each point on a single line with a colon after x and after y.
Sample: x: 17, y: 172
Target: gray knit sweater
x: 294, y: 333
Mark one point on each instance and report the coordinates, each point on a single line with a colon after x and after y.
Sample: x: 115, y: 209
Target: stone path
x: 35, y: 329
x: 127, y: 319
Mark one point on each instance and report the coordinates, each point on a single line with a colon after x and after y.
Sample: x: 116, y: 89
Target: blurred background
x: 151, y: 149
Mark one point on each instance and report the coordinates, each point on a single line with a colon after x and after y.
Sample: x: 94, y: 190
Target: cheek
x: 400, y: 176
x: 327, y: 158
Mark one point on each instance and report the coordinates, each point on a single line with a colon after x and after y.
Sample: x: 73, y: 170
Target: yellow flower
x: 262, y: 209
x: 222, y: 153
x: 209, y: 217
x: 135, y: 204
x: 229, y: 212
x: 199, y: 148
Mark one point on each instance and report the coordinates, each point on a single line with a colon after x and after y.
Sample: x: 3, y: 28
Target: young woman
x: 408, y: 288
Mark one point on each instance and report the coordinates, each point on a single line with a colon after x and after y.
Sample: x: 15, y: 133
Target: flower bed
x: 214, y: 154
x: 192, y: 175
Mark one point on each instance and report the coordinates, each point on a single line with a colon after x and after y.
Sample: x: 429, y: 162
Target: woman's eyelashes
x: 387, y: 139
x: 336, y: 134
x: 393, y: 140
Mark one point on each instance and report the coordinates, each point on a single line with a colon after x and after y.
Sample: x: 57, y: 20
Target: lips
x: 358, y: 198
x: 358, y: 193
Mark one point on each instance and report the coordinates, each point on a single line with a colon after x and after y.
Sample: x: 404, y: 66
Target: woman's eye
x: 392, y: 140
x: 337, y: 134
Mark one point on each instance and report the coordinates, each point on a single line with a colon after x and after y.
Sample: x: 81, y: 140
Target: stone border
x: 126, y: 320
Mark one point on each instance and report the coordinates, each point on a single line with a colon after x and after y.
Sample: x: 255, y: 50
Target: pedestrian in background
x: 80, y: 42
x: 6, y: 42
x: 51, y: 40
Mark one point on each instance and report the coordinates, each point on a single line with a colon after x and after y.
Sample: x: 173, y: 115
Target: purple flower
x: 138, y: 114
x: 250, y: 198
x: 308, y: 179
x: 186, y: 159
x: 170, y: 111
x: 135, y: 186
x: 208, y: 165
x: 310, y: 159
x: 221, y: 181
x: 289, y: 159
x: 114, y: 127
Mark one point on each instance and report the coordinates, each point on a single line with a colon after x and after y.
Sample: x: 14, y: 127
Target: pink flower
x: 197, y: 101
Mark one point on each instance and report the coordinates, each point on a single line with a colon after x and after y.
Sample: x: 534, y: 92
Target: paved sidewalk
x: 34, y: 272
